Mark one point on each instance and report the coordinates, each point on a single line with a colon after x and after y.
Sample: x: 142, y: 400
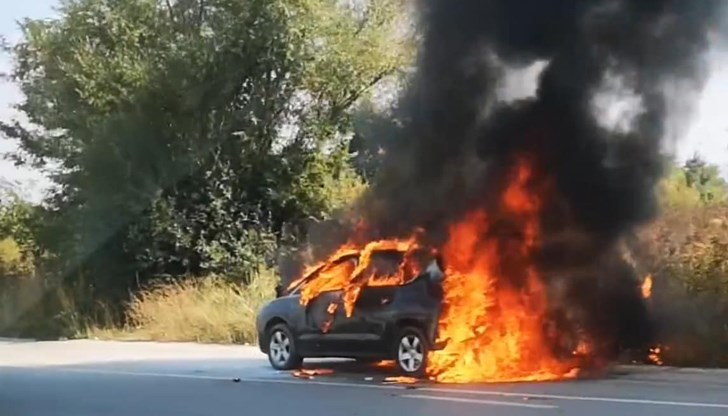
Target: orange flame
x: 494, y: 301
x: 493, y: 331
x: 311, y: 373
x: 328, y: 272
x: 400, y: 380
x: 655, y: 355
x: 340, y: 273
x: 385, y: 364
x: 647, y: 287
x: 582, y: 348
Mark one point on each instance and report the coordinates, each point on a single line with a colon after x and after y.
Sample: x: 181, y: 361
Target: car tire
x: 410, y: 352
x: 282, y: 353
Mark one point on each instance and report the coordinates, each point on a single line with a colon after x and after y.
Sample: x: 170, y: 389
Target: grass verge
x: 210, y: 309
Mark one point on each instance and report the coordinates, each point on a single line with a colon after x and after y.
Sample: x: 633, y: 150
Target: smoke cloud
x: 460, y: 138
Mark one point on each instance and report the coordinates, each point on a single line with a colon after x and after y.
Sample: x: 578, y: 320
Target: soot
x: 460, y: 138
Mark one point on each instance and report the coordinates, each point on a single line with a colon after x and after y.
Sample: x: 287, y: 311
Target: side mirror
x: 279, y: 290
x: 436, y: 272
x: 435, y: 278
x: 440, y: 262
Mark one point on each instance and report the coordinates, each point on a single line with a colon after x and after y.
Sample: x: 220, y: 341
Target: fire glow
x: 494, y: 331
x: 492, y: 325
x: 336, y: 275
x: 534, y: 285
x: 647, y: 287
x: 655, y: 355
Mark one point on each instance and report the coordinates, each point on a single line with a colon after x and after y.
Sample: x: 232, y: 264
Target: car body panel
x: 379, y: 314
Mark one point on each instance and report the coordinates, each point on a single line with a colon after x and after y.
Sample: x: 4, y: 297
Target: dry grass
x: 211, y: 309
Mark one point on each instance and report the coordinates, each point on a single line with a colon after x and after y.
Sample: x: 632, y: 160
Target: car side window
x: 336, y: 276
x: 385, y: 264
x: 392, y: 269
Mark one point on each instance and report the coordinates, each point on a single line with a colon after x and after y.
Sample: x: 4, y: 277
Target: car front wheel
x: 411, y: 352
x: 282, y: 353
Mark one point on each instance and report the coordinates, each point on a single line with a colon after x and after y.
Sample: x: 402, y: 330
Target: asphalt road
x: 85, y: 378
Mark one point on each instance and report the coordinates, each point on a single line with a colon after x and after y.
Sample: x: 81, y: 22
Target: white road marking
x: 583, y: 398
x: 141, y: 374
x: 400, y: 387
x: 479, y: 401
x: 661, y: 383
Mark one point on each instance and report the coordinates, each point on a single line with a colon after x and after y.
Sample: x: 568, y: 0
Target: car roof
x: 347, y: 255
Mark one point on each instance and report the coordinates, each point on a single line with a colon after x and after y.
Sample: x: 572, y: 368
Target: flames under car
x: 395, y: 315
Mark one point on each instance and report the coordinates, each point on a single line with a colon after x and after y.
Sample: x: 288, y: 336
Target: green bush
x: 687, y: 252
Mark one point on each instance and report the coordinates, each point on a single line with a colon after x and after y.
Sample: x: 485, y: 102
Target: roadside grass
x: 210, y: 309
x: 32, y: 308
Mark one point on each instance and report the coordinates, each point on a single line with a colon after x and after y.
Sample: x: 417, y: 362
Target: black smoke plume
x: 459, y: 139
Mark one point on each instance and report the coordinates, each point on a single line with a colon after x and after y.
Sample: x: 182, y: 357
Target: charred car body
x: 390, y: 320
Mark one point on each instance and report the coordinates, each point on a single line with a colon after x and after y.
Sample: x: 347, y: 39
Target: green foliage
x: 341, y: 191
x: 18, y: 222
x: 13, y: 262
x: 694, y: 184
x: 706, y: 179
x: 674, y: 191
x: 190, y: 133
x: 376, y: 132
x: 686, y: 250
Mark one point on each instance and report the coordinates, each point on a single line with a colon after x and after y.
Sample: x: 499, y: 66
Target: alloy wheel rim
x: 280, y: 347
x: 410, y: 353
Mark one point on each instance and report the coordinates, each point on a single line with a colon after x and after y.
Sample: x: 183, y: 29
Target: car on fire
x: 395, y: 321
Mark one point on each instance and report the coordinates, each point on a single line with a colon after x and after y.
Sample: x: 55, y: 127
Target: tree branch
x: 200, y: 13
x: 355, y: 96
x: 171, y: 11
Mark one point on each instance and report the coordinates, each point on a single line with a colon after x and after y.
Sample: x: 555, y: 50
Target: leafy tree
x: 13, y: 262
x: 375, y: 133
x: 674, y: 191
x: 706, y: 179
x: 19, y: 221
x: 191, y: 132
x: 694, y: 184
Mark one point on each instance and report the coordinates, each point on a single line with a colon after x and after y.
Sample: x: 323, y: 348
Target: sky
x: 31, y: 183
x: 706, y: 134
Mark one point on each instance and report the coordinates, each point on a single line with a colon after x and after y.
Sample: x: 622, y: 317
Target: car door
x: 417, y: 298
x: 371, y: 317
x: 373, y: 309
x: 324, y: 329
x: 320, y: 324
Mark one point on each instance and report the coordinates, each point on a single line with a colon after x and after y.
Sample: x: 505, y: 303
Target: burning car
x: 377, y: 303
x: 473, y: 308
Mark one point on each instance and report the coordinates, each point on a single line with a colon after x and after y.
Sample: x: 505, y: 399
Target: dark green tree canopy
x: 190, y: 133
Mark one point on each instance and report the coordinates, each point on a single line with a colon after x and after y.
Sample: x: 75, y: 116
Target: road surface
x: 90, y: 378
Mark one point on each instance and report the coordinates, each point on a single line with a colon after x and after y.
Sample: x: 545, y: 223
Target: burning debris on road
x: 527, y: 202
x: 654, y: 355
x: 312, y: 373
x: 400, y: 380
